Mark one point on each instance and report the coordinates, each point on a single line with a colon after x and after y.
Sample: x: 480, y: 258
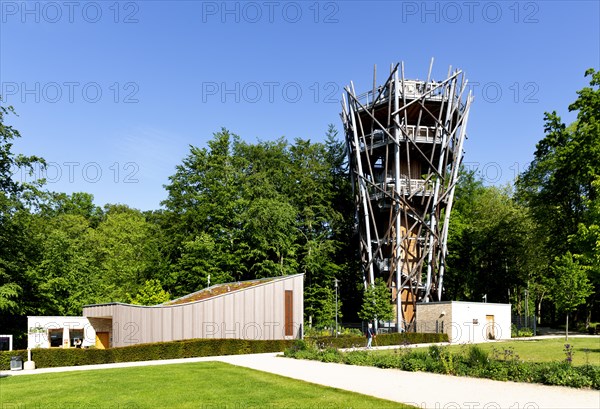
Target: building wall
x: 434, y: 318
x: 465, y: 322
x: 253, y: 313
x: 39, y: 329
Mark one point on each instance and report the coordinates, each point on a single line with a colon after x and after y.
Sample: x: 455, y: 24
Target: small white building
x: 60, y: 332
x: 465, y: 322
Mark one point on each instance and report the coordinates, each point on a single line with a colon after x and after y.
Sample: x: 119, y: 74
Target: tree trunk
x: 539, y: 309
x: 588, y: 316
x: 567, y: 328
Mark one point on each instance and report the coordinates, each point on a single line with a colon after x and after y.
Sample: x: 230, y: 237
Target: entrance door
x: 102, y: 339
x: 490, y: 327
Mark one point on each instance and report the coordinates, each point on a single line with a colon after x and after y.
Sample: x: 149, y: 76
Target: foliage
x: 321, y: 305
x: 312, y: 332
x: 17, y: 250
x: 376, y: 303
x: 234, y: 211
x: 493, y: 249
x: 403, y: 338
x: 239, y: 211
x: 151, y: 293
x: 520, y: 332
x: 561, y: 189
x: 472, y: 361
x: 571, y: 286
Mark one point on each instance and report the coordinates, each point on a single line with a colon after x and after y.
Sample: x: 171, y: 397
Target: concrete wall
x: 255, y: 313
x: 39, y: 329
x: 465, y: 321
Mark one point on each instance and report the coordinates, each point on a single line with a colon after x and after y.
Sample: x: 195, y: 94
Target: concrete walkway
x: 421, y: 389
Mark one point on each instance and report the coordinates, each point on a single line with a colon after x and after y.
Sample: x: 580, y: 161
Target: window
x: 76, y: 336
x: 56, y: 337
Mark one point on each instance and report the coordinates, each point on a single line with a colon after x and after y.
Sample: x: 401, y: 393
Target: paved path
x: 421, y: 389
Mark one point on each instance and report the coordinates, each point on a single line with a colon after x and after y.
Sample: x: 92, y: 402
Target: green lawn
x: 195, y: 385
x: 586, y: 350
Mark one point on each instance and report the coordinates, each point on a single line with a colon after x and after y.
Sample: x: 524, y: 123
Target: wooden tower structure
x: 405, y: 145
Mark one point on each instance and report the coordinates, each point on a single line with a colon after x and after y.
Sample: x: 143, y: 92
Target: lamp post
x: 526, y: 309
x: 335, y: 281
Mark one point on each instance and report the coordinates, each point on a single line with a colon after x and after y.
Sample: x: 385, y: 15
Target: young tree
x: 571, y: 285
x: 377, y: 305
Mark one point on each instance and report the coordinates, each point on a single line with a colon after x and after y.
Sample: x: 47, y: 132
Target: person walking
x: 370, y: 335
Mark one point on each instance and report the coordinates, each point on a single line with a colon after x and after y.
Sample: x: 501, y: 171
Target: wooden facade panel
x: 289, y: 313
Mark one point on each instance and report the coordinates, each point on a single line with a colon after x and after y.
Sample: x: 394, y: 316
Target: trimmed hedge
x: 402, y: 338
x: 48, y: 358
x: 53, y: 357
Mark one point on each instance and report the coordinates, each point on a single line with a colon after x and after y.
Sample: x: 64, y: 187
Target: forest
x: 236, y: 210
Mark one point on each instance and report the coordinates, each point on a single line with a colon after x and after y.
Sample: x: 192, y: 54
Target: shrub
x: 331, y: 355
x: 381, y: 340
x: 505, y: 365
x: 362, y: 358
x: 477, y: 357
x: 315, y: 332
x: 520, y: 332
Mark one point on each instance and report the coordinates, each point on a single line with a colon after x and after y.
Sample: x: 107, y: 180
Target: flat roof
x: 460, y: 302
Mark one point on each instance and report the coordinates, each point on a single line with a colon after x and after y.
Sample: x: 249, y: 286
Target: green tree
x: 560, y: 186
x: 198, y: 265
x: 376, y: 304
x: 270, y: 237
x: 151, y: 293
x: 127, y: 251
x: 17, y: 197
x: 571, y: 286
x: 493, y: 246
x: 204, y: 196
x: 237, y: 210
x: 320, y: 306
x: 67, y: 275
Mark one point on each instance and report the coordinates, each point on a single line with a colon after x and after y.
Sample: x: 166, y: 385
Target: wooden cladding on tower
x: 289, y: 313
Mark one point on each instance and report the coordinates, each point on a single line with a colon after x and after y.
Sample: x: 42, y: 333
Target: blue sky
x: 112, y: 93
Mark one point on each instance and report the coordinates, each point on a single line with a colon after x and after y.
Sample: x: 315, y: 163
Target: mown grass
x: 585, y: 350
x: 194, y: 385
